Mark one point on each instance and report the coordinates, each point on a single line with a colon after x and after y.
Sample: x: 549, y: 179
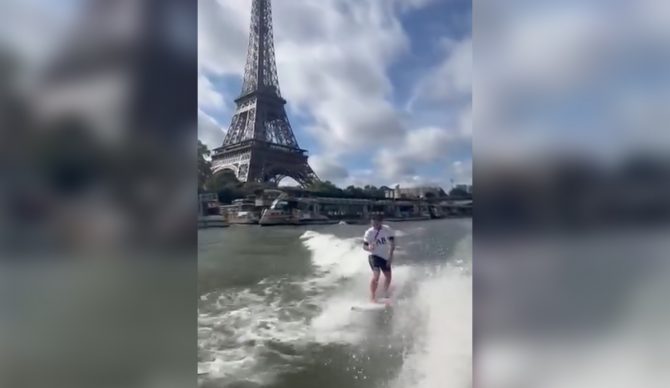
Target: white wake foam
x: 335, y: 258
x: 342, y: 264
x: 238, y: 327
x: 235, y: 326
x: 442, y: 353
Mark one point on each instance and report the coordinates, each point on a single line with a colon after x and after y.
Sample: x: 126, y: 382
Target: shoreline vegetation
x: 227, y: 188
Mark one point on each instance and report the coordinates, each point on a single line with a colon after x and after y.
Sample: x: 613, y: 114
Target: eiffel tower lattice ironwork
x: 260, y: 145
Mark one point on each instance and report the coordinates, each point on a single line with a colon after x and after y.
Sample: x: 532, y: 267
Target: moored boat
x: 242, y: 211
x: 286, y: 211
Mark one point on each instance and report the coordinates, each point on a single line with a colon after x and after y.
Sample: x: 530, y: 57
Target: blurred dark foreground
x: 98, y: 103
x: 572, y: 177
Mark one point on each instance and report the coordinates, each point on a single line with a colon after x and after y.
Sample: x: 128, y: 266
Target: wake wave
x: 441, y: 355
x: 435, y: 305
x: 238, y: 328
x: 343, y: 265
x: 335, y: 258
x: 241, y: 329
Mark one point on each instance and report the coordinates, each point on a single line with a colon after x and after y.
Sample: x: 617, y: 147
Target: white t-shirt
x: 380, y: 240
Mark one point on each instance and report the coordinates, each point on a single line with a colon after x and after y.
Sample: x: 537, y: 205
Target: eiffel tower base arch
x: 264, y: 162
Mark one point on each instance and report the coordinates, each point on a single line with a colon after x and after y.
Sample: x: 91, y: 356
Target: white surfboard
x: 381, y: 304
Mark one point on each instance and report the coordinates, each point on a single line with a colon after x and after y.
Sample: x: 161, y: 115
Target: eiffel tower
x: 260, y: 145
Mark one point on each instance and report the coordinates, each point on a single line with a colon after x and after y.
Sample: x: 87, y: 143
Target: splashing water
x: 268, y: 333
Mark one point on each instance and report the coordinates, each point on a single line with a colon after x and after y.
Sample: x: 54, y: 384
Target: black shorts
x: 377, y: 262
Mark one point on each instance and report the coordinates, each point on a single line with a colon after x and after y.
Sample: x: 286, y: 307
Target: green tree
x: 226, y: 185
x: 355, y: 192
x: 229, y: 193
x: 204, y: 167
x: 325, y: 189
x: 229, y: 188
x: 328, y: 189
x: 222, y: 179
x: 458, y: 192
x: 374, y: 192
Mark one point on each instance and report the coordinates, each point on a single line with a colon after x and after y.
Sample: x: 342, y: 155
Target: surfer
x: 379, y: 241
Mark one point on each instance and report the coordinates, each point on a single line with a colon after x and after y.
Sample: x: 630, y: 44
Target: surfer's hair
x: 378, y: 217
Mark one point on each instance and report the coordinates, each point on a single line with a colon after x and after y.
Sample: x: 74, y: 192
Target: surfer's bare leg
x: 373, y: 284
x: 387, y: 283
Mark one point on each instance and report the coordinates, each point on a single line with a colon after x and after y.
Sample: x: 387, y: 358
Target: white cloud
x: 222, y: 35
x: 460, y: 171
x: 407, y: 5
x: 209, y: 131
x: 576, y: 34
x: 332, y: 65
x: 333, y: 58
x: 288, y: 181
x: 208, y: 97
x: 336, y: 69
x: 421, y: 147
x: 35, y: 30
x: 418, y: 181
x: 424, y: 147
x: 328, y: 168
x: 362, y: 177
x: 571, y: 78
x: 465, y: 122
x: 428, y: 144
x: 444, y: 95
x: 451, y: 79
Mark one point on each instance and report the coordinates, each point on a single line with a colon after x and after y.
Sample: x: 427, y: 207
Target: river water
x: 275, y: 308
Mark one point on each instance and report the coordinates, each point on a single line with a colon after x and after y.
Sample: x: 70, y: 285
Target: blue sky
x: 378, y: 91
